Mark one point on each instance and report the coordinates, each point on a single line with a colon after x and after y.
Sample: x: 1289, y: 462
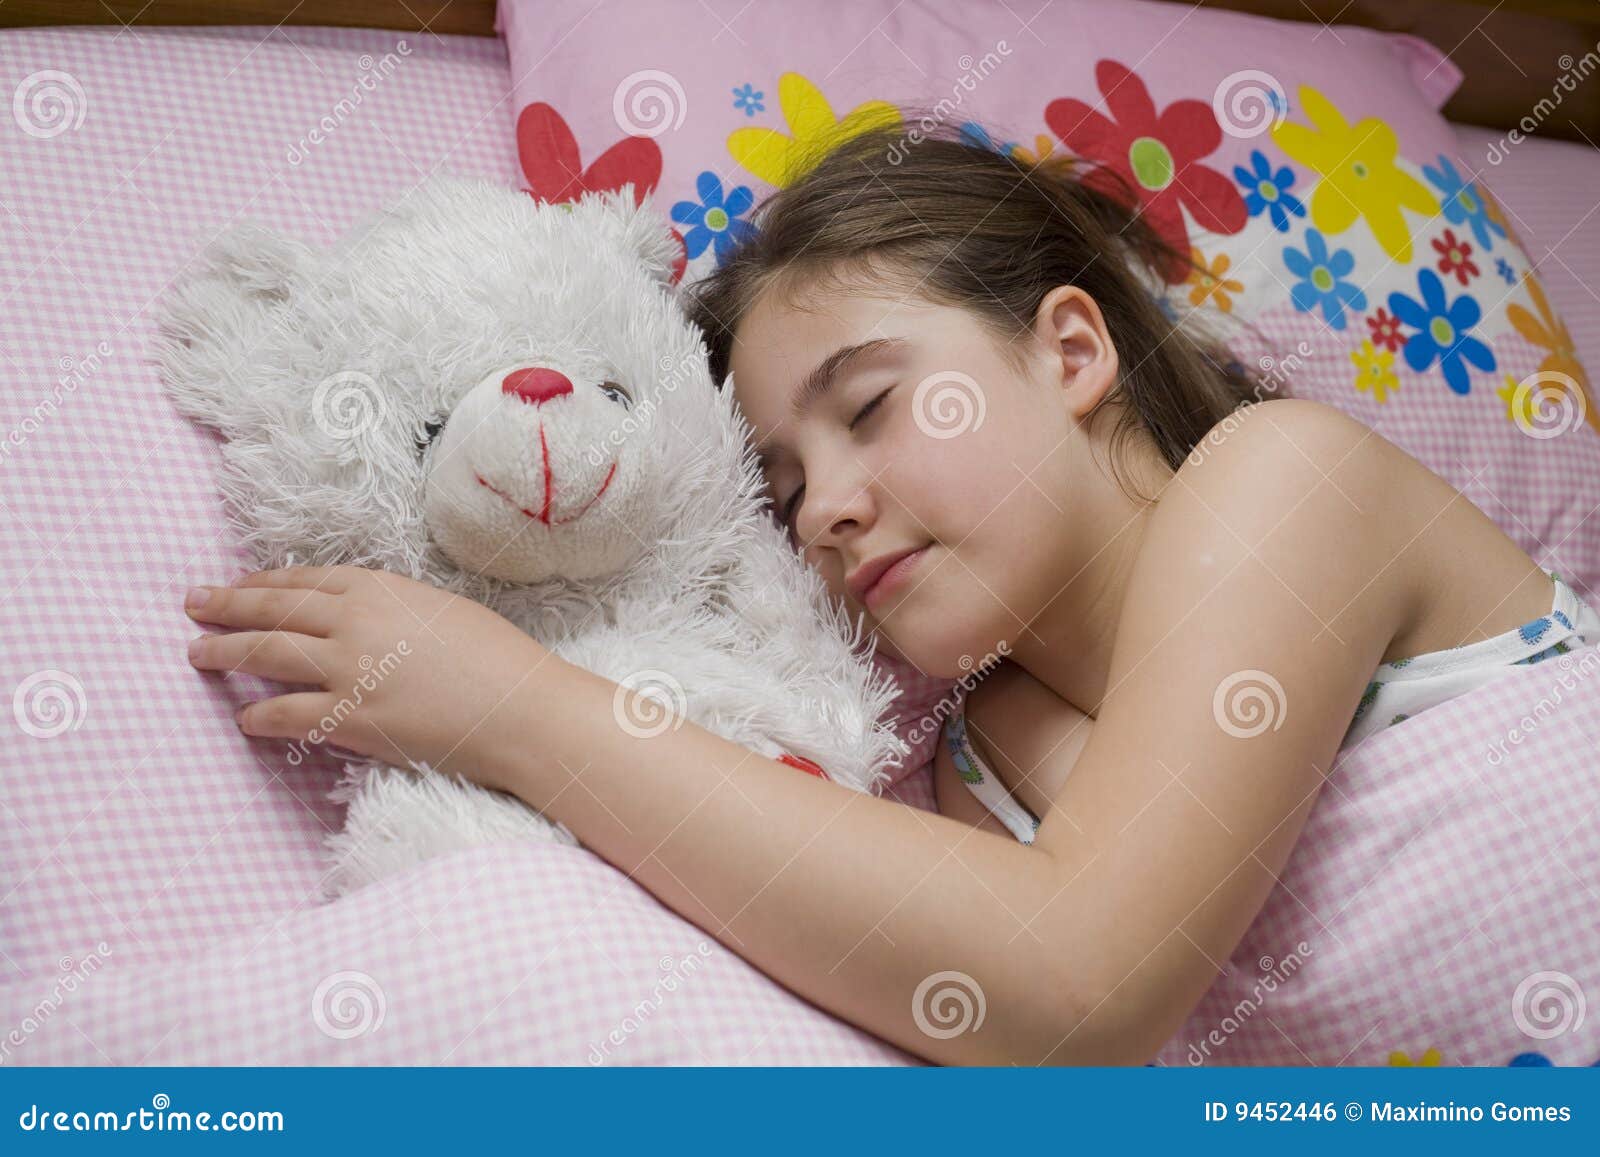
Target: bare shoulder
x: 1305, y: 478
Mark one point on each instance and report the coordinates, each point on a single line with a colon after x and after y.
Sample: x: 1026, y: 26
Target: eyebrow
x: 819, y: 381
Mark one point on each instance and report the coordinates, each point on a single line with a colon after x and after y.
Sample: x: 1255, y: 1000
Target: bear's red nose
x: 536, y: 385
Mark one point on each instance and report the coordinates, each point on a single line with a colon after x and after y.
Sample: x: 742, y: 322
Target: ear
x: 1069, y: 324
x: 216, y: 317
x: 635, y: 227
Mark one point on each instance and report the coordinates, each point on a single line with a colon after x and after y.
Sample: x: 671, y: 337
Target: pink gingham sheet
x: 160, y: 871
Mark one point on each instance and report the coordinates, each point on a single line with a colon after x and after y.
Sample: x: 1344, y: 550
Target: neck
x: 1068, y: 644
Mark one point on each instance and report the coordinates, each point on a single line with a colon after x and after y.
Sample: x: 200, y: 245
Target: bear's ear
x: 639, y: 230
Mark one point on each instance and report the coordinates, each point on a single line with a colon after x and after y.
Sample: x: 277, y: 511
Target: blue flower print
x: 1322, y: 280
x: 747, y: 98
x: 714, y: 219
x: 975, y: 134
x: 1503, y: 268
x: 1537, y: 1061
x: 1462, y: 202
x: 1442, y: 331
x: 1269, y: 191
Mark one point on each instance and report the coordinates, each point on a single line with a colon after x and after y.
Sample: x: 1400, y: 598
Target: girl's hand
x: 404, y: 672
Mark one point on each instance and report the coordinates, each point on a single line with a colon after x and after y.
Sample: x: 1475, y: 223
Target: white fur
x: 322, y: 368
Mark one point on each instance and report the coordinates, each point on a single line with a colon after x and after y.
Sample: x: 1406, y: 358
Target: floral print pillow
x: 1333, y: 235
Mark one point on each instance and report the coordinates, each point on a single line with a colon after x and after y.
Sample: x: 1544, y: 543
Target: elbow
x: 1098, y: 1023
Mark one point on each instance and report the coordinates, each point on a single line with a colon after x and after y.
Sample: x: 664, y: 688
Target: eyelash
x: 861, y: 416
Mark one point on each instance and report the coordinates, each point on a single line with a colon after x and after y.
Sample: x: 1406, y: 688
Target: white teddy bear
x: 503, y: 397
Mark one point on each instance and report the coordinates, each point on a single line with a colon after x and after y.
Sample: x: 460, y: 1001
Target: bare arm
x: 1094, y: 943
x: 850, y: 900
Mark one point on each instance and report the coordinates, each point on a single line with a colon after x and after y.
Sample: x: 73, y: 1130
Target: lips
x: 864, y: 577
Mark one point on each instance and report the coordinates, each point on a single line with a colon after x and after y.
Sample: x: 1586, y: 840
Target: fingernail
x: 194, y: 646
x: 197, y: 597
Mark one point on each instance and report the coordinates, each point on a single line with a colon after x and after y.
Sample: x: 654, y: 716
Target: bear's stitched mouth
x: 543, y: 515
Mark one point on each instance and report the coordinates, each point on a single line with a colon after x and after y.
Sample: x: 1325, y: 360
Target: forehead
x: 782, y: 339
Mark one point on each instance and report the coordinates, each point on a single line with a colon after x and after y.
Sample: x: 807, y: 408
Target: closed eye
x: 861, y: 415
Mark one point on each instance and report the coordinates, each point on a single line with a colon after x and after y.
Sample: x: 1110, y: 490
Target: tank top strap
x: 984, y: 783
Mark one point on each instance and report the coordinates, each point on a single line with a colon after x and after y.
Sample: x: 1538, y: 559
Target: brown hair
x: 967, y: 226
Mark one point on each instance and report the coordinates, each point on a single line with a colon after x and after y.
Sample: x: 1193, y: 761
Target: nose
x: 536, y: 385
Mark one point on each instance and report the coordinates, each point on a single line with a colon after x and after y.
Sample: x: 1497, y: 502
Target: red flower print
x: 1155, y: 156
x: 1385, y: 329
x: 550, y: 160
x: 1455, y: 256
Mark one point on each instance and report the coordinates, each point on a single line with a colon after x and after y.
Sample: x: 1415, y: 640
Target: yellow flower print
x: 1043, y: 146
x: 1209, y: 283
x: 1375, y: 370
x: 1359, y: 175
x: 1429, y: 1059
x: 1550, y: 331
x: 1523, y: 413
x: 780, y: 160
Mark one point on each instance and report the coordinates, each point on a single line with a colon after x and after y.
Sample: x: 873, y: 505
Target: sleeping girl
x: 981, y: 429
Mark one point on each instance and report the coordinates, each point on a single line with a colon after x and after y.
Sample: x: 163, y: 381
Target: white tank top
x: 1398, y: 691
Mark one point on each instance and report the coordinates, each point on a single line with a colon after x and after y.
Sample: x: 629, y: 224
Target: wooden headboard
x: 1512, y: 51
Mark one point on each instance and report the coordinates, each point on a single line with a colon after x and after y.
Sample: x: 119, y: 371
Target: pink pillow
x: 1306, y: 167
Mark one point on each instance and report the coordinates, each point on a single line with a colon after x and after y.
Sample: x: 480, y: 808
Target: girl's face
x: 914, y: 433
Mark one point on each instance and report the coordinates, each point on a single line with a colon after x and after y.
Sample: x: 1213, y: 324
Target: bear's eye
x: 430, y: 431
x: 616, y: 393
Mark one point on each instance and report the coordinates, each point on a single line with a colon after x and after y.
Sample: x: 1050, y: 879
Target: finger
x: 328, y: 578
x: 292, y: 716
x: 278, y: 655
x: 309, y: 612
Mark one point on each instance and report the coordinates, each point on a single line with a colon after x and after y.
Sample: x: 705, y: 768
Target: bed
x: 160, y: 901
